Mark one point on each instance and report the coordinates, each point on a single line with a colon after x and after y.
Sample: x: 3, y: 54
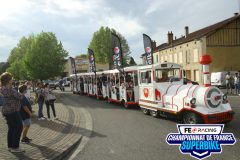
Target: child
x: 26, y: 114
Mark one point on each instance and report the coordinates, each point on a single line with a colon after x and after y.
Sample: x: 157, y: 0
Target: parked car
x: 51, y: 83
x: 66, y: 81
x: 218, y: 78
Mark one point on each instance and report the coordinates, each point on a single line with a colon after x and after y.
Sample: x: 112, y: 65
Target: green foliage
x: 18, y: 70
x: 45, y: 57
x: 83, y: 56
x: 3, y: 67
x: 132, y: 62
x: 101, y: 44
x: 37, y: 57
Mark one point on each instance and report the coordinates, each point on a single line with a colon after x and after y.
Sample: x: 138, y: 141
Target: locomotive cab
x: 163, y: 92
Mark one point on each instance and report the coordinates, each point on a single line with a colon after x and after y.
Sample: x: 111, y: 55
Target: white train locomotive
x: 160, y: 90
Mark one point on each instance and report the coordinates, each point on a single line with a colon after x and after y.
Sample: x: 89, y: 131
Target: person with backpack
x: 40, y: 100
x: 10, y: 110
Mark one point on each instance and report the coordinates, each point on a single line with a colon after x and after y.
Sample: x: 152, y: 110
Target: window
x: 135, y: 79
x: 170, y: 58
x: 166, y: 59
x: 162, y: 59
x: 180, y: 57
x: 195, y: 55
x: 146, y: 77
x: 196, y: 75
x: 167, y: 75
x: 156, y: 59
x: 175, y: 58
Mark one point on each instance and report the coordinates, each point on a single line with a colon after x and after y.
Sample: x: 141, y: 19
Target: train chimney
x: 205, y: 60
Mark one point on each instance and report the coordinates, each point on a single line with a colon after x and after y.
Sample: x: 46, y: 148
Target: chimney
x: 186, y: 31
x: 170, y: 37
x: 154, y: 45
x: 236, y: 14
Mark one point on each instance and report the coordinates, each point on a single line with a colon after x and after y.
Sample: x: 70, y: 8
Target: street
x: 120, y: 133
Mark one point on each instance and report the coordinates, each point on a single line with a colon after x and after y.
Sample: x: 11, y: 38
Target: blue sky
x: 75, y: 21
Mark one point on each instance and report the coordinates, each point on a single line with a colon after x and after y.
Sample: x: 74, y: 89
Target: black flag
x: 117, y: 52
x: 147, y: 42
x: 91, y: 57
x: 73, y: 65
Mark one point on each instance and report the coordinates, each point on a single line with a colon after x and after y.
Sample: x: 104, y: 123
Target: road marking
x: 85, y: 130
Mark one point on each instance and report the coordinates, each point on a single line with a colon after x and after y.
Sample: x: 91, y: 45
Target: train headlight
x: 193, y: 101
x: 224, y: 98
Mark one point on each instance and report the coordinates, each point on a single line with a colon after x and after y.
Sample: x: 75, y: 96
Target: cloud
x: 75, y: 21
x: 128, y: 27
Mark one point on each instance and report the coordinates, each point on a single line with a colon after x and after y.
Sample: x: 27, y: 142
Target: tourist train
x: 159, y: 90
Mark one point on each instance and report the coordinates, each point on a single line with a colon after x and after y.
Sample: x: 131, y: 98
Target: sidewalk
x: 51, y: 139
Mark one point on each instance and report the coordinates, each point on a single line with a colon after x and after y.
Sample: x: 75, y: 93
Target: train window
x: 167, y: 75
x: 146, y: 77
x: 136, y: 79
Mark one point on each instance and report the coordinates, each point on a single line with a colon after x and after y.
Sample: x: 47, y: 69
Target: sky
x: 75, y: 21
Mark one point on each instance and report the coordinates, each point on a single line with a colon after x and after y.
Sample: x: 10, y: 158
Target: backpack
x: 41, y: 97
x: 2, y: 100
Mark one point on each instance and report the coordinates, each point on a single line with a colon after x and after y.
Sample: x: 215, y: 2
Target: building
x: 220, y: 40
x: 82, y: 65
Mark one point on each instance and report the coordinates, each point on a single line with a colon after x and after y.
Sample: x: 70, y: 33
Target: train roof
x: 165, y: 65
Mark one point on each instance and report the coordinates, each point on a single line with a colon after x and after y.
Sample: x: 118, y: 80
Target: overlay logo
x: 200, y: 141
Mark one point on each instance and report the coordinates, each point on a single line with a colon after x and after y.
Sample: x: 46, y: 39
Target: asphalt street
x: 128, y: 134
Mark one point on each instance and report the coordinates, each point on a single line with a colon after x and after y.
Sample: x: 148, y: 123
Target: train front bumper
x: 219, y: 117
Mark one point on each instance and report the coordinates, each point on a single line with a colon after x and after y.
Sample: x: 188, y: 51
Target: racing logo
x: 148, y: 50
x: 145, y: 92
x: 116, y: 50
x: 200, y: 141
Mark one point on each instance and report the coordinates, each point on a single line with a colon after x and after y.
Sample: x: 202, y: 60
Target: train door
x: 90, y: 85
x: 105, y: 89
x: 136, y: 86
x: 122, y: 89
x: 146, y: 85
x: 85, y: 79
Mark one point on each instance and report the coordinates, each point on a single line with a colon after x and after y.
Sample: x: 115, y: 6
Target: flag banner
x: 92, y: 64
x: 147, y: 42
x: 117, y: 52
x: 73, y: 65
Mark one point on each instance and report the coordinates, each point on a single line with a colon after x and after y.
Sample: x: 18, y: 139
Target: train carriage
x: 122, y: 88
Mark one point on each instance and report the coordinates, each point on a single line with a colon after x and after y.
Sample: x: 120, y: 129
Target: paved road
x: 122, y: 134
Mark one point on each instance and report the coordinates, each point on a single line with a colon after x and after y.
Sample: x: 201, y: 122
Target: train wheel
x: 145, y: 111
x: 191, y: 118
x: 154, y: 113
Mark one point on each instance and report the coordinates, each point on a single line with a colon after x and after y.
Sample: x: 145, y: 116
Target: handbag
x: 51, y: 97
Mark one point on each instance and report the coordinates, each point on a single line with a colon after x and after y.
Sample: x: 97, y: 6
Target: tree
x: 17, y: 54
x: 83, y: 56
x: 18, y: 70
x: 45, y: 57
x: 132, y: 62
x: 101, y: 44
x: 3, y: 67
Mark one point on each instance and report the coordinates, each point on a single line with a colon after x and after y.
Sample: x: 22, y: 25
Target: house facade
x: 220, y: 40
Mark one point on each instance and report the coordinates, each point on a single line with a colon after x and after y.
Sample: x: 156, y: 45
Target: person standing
x: 228, y: 80
x: 49, y: 101
x: 10, y: 111
x: 40, y: 100
x: 236, y: 83
x: 26, y: 114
